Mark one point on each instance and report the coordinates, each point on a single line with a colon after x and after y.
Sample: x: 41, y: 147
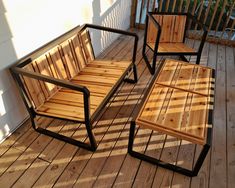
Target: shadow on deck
x: 30, y: 159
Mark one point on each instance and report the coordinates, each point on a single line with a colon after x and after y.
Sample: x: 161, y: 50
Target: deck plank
x: 230, y: 70
x: 218, y: 172
x: 29, y: 159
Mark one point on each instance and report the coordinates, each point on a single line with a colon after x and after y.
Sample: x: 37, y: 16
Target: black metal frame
x: 161, y: 163
x: 17, y: 71
x: 181, y: 54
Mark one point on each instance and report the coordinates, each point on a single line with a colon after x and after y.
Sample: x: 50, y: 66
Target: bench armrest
x: 113, y: 30
x: 63, y: 83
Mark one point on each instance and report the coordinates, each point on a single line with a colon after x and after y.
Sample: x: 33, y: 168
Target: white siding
x: 28, y: 24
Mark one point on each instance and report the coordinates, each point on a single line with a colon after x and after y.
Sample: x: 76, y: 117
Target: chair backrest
x: 63, y: 61
x: 172, y: 26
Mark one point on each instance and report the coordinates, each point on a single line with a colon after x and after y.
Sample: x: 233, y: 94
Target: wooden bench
x: 179, y: 102
x: 165, y: 34
x: 64, y: 80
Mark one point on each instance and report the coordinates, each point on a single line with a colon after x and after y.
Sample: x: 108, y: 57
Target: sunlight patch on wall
x: 34, y: 23
x: 105, y: 5
x: 5, y: 131
x: 2, y: 107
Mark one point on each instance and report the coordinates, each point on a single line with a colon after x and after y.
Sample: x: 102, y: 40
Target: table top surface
x: 179, y: 101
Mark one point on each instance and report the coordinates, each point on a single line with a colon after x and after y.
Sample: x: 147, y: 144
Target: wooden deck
x: 29, y: 159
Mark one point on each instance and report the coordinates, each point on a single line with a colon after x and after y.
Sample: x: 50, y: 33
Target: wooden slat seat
x: 65, y: 80
x: 165, y: 47
x: 179, y: 103
x: 165, y: 34
x: 69, y: 104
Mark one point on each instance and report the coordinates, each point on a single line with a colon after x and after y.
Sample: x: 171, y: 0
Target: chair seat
x: 98, y: 76
x: 172, y: 48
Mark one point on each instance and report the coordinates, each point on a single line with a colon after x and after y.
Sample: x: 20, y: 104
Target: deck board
x: 29, y: 159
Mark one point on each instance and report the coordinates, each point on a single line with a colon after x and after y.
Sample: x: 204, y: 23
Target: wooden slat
x: 104, y: 80
x: 167, y: 28
x: 43, y: 68
x: 121, y: 65
x: 68, y: 57
x: 172, y: 47
x: 179, y: 29
x: 56, y: 60
x: 152, y: 30
x: 78, y: 52
x: 33, y: 88
x: 62, y: 111
x: 86, y: 45
x: 213, y: 15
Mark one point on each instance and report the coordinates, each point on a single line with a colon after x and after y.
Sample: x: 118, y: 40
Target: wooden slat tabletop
x: 179, y: 101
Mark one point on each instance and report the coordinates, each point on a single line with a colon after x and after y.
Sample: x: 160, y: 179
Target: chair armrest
x: 63, y: 83
x: 113, y: 30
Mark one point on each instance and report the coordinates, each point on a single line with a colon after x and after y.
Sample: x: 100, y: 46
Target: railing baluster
x: 160, y: 6
x: 141, y: 11
x: 187, y: 6
x: 181, y: 5
x: 200, y: 6
x: 227, y: 19
x: 207, y: 11
x: 153, y: 8
x: 232, y: 28
x: 220, y: 16
x: 167, y: 5
x: 173, y: 6
x: 213, y: 16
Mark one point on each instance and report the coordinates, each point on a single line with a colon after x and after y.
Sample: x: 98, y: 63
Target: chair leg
x: 163, y: 164
x: 198, y: 59
x: 91, y: 147
x: 151, y: 68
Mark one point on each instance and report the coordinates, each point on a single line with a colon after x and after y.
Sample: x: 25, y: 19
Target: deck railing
x: 217, y: 15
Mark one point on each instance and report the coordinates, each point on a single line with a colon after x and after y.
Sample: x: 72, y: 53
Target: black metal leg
x: 91, y: 137
x: 201, y: 159
x: 151, y: 68
x: 133, y: 81
x: 92, y: 146
x: 163, y: 164
x: 198, y: 59
x: 184, y: 58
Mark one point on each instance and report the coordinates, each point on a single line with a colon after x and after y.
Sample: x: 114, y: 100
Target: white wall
x: 25, y: 25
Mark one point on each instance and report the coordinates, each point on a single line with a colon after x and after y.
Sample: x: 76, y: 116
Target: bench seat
x: 99, y: 77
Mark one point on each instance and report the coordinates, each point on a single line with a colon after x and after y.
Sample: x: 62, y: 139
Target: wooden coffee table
x: 179, y: 102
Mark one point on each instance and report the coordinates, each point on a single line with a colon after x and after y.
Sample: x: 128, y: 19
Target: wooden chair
x: 165, y: 35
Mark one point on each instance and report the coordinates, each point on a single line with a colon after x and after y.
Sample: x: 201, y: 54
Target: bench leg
x: 92, y: 146
x: 133, y: 81
x: 163, y: 164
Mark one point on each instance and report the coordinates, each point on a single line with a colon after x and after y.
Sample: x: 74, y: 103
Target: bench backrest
x: 63, y: 61
x: 173, y: 28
